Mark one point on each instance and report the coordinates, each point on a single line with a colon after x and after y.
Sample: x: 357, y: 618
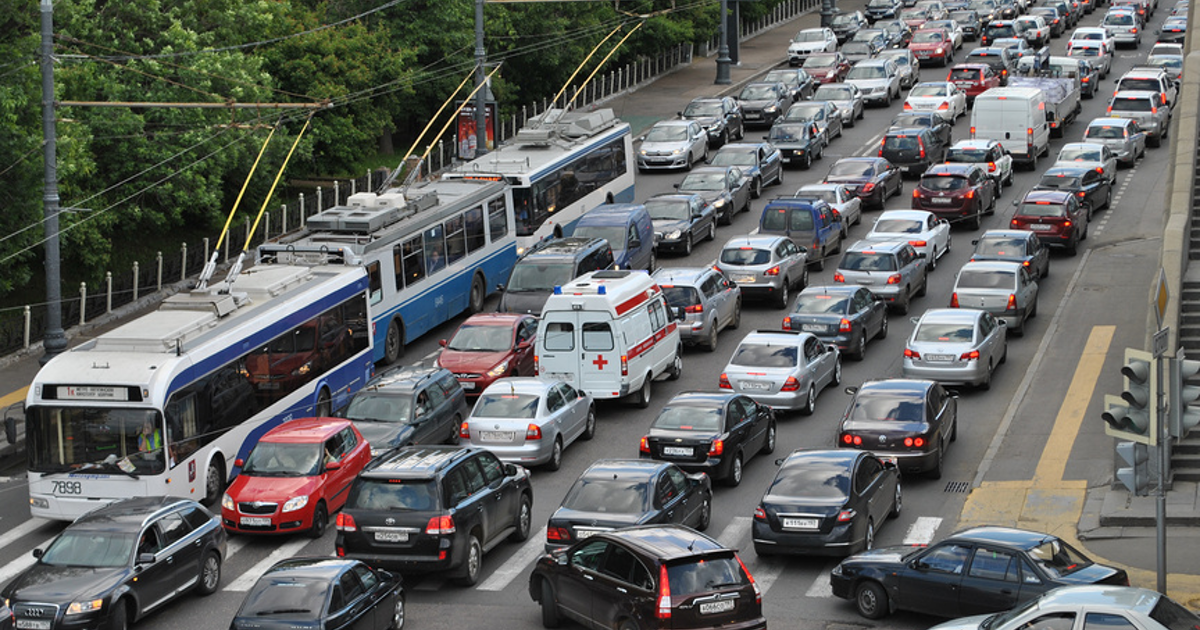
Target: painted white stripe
x: 733, y: 533
x: 20, y: 531
x: 247, y: 579
x: 921, y: 532
x: 234, y: 545
x: 515, y: 566
x: 11, y: 569
x: 821, y: 586
x: 766, y: 571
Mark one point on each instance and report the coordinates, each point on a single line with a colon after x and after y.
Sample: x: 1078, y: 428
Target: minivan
x: 628, y: 230
x: 810, y: 223
x: 1016, y: 118
x: 550, y: 263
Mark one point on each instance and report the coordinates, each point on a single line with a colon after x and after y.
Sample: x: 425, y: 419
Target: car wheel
x: 643, y: 395
x: 687, y: 245
x: 871, y: 600
x: 986, y: 383
x: 475, y: 305
x: 555, y: 461
x: 724, y: 138
x: 549, y: 606
x: 756, y: 188
x: 837, y: 372
x: 976, y: 219
x: 807, y: 163
x: 819, y: 265
x: 936, y: 473
x: 804, y: 278
x: 523, y: 522
x: 398, y: 613
x: 712, y: 230
x: 924, y: 287
x: 883, y: 328
x: 851, y: 123
x: 473, y: 566
x: 810, y: 402
x: 869, y: 541
x: 589, y: 425
x: 772, y: 435
x: 393, y: 343
x: 210, y: 574
x: 954, y: 430
x: 734, y: 479
x: 627, y: 624
x: 118, y: 618
x: 860, y: 348
x: 1004, y: 355
x: 710, y: 341
x: 690, y: 160
x: 1073, y: 247
x: 319, y: 522
x: 1009, y: 180
x: 676, y: 369
x: 933, y: 259
x: 705, y: 514
x: 214, y: 483
x: 737, y: 315
x: 781, y: 296
x: 897, y: 502
x: 653, y: 262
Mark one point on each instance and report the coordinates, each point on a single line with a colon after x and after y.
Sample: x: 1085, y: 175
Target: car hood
x: 473, y: 362
x: 385, y: 434
x: 523, y: 302
x: 964, y: 623
x: 664, y: 147
x: 667, y: 225
x: 758, y: 104
x: 563, y: 516
x: 866, y: 84
x: 706, y: 121
x: 260, y: 623
x: 807, y: 46
x: 62, y: 585
x: 245, y: 488
x: 882, y: 556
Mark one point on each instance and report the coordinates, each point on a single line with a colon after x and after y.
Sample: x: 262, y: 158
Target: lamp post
x: 480, y: 78
x: 723, y: 60
x: 828, y: 8
x: 55, y: 340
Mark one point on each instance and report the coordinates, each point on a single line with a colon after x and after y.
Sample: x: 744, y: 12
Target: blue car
x: 761, y: 162
x: 627, y: 228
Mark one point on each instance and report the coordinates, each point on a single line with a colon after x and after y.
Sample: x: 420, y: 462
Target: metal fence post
x: 82, y: 303
x: 136, y: 280
x: 266, y: 225
x: 159, y: 261
x: 108, y: 292
x: 303, y: 217
x: 183, y: 258
x: 283, y: 211
x: 353, y: 186
x: 337, y: 193
x: 320, y: 199
x: 206, y: 245
x: 27, y: 321
x: 227, y: 239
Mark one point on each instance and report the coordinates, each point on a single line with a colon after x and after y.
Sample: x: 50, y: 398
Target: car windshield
x: 852, y: 169
x: 821, y: 61
x: 833, y: 93
x: 843, y: 19
x: 614, y: 234
x: 375, y: 406
x: 1042, y: 210
x: 866, y: 72
x: 286, y: 597
x: 944, y: 332
x: 1059, y: 180
x: 1001, y: 246
x: 822, y: 305
x: 283, y: 459
x: 704, y: 108
x: 867, y: 261
x: 858, y: 48
x: 928, y: 37
x: 736, y: 157
x: 900, y: 58
x: 93, y: 549
x: 1058, y: 558
x: 809, y: 36
x: 924, y: 89
x: 888, y: 405
x: 899, y: 226
x: 1131, y: 104
x: 534, y: 276
x: 788, y: 133
x: 1079, y: 154
x: 703, y: 181
x: 812, y: 480
x: 511, y: 405
x: 416, y: 495
x: 681, y: 295
x: 782, y: 219
x: 944, y: 182
x: 705, y: 575
x: 764, y: 355
x: 913, y: 14
x: 483, y: 338
x: 787, y: 77
x: 689, y: 418
x: 967, y: 155
x: 662, y: 209
x: 1105, y: 132
x: 607, y: 493
x: 758, y: 93
x: 985, y: 279
x: 743, y: 256
x: 667, y: 133
x: 801, y: 111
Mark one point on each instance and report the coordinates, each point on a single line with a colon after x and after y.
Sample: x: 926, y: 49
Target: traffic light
x: 1184, y: 398
x: 1136, y: 475
x: 1133, y: 415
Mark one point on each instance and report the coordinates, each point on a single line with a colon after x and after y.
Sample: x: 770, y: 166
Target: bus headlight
x: 227, y: 502
x: 39, y: 502
x: 499, y: 370
x: 295, y: 503
x: 81, y: 607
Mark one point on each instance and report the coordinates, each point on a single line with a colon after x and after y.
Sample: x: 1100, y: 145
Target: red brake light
x: 845, y: 516
x: 757, y: 592
x: 558, y: 534
x: 838, y: 277
x: 1012, y: 301
x: 790, y: 385
x: 969, y: 356
x: 971, y: 194
x: 664, y: 594
x: 909, y: 353
x: 868, y: 187
x: 918, y: 243
x: 443, y: 524
x: 773, y: 271
x: 695, y: 308
x: 844, y: 326
x: 760, y: 514
x: 787, y: 323
x: 907, y: 106
x: 624, y: 365
x: 345, y: 523
x: 645, y: 445
x: 723, y: 383
x: 855, y: 440
x: 894, y: 279
x: 916, y: 194
x: 1109, y: 110
x: 954, y: 296
x: 533, y: 432
x: 944, y: 106
x: 464, y: 431
x: 921, y: 144
x: 991, y: 167
x: 914, y: 442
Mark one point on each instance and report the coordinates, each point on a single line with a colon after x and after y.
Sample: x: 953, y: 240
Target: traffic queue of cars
x: 427, y: 469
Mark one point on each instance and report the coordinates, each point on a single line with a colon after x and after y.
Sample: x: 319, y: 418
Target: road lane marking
x: 13, y: 397
x: 767, y: 571
x: 733, y: 532
x: 15, y: 567
x: 234, y: 545
x: 247, y: 579
x: 821, y: 586
x: 515, y: 565
x: 1053, y: 462
x: 922, y: 530
x: 20, y: 531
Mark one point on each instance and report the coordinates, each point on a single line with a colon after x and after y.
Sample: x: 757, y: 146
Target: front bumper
x: 651, y: 162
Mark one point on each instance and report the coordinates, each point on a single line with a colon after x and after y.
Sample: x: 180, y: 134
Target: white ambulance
x: 609, y: 333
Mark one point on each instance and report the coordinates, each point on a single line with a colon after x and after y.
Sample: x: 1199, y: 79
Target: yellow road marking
x: 1053, y: 462
x: 13, y: 397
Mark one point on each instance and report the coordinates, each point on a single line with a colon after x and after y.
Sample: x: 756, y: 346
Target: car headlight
x: 81, y: 607
x: 295, y: 503
x: 676, y: 151
x: 720, y: 202
x: 642, y: 152
x: 674, y: 234
x: 829, y: 75
x: 770, y: 109
x: 499, y: 370
x: 938, y: 51
x: 837, y: 571
x: 39, y: 502
x: 227, y: 502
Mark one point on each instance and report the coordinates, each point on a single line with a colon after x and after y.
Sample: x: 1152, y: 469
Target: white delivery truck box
x: 1016, y: 118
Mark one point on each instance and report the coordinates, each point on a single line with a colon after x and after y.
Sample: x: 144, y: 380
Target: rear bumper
x: 972, y: 373
x: 838, y: 542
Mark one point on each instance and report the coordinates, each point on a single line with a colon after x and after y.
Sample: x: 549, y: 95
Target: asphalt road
x: 796, y: 593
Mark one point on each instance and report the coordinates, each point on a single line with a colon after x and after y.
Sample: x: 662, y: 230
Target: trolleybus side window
x: 497, y: 219
x: 456, y: 239
x: 435, y: 249
x: 474, y: 229
x: 376, y: 280
x: 414, y: 261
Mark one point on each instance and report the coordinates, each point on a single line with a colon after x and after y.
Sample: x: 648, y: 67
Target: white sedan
x: 928, y: 234
x: 840, y: 197
x: 1089, y: 154
x: 941, y: 97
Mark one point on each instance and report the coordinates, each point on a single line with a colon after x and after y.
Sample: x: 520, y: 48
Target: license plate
x: 267, y: 385
x: 582, y: 532
x: 1038, y: 227
x: 33, y: 624
x: 866, y: 281
x: 709, y: 608
x: 744, y: 279
x: 497, y: 436
x: 941, y: 199
x: 467, y: 385
x: 561, y: 376
x: 752, y: 115
x: 939, y: 357
x: 812, y: 328
x: 679, y: 451
x: 255, y: 521
x: 755, y: 385
x: 800, y: 523
x: 391, y: 537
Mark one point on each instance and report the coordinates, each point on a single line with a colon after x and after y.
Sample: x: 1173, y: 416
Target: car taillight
x: 746, y: 572
x: 1153, y: 109
x: 845, y: 516
x: 868, y: 187
x: 790, y: 385
x: 345, y: 523
x: 954, y: 300
x: 695, y: 308
x: 464, y: 431
x: 723, y: 382
x: 760, y: 514
x: 972, y: 132
x: 787, y: 323
x: 663, y: 610
x: 991, y: 167
x: 894, y: 279
x: 918, y: 243
x: 907, y: 106
x: 969, y: 356
x: 537, y: 364
x: 921, y: 144
x: 716, y: 448
x: 944, y: 106
x: 773, y: 271
x: 1109, y: 110
x: 438, y: 525
x: 909, y: 353
x: 624, y: 365
x: 916, y: 193
x: 1081, y: 194
x: 838, y: 277
x: 533, y: 432
x: 970, y: 194
x: 1135, y: 29
x: 844, y: 326
x: 881, y: 146
x: 916, y: 442
x: 558, y: 534
x: 1012, y: 301
x: 645, y: 445
x: 855, y: 440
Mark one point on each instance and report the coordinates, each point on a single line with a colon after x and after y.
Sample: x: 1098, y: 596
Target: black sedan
x: 325, y: 593
x: 873, y: 179
x: 826, y: 502
x: 844, y: 315
x: 616, y: 493
x: 115, y: 564
x: 928, y: 120
x: 798, y: 82
x: 1020, y: 246
x: 711, y: 432
x: 799, y: 143
x: 908, y: 421
x: 975, y: 571
x: 725, y: 188
x: 1090, y: 187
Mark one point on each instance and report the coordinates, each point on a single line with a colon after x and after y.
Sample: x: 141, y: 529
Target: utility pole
x: 480, y: 79
x: 723, y: 60
x: 828, y: 8
x: 55, y: 340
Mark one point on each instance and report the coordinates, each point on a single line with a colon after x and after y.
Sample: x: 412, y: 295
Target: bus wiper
x: 108, y: 466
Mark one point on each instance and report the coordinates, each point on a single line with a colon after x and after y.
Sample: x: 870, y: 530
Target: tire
x: 589, y: 425
x: 819, y: 265
x: 653, y: 262
x: 523, y: 520
x: 324, y: 406
x: 976, y: 220
x: 936, y: 473
x: 473, y: 565
x: 1154, y: 142
x: 897, y: 502
x: 1108, y: 199
x: 393, y: 343
x: 804, y: 278
x: 210, y: 574
x: 883, y: 330
x: 477, y: 296
x: 705, y: 515
x: 772, y: 438
x: 924, y: 290
x: 869, y: 541
x: 810, y: 403
x: 837, y: 373
x: 781, y: 296
x: 555, y: 461
x: 903, y: 308
x: 860, y: 349
x: 737, y: 315
x: 808, y: 161
x: 734, y: 478
x: 398, y: 613
x: 712, y: 230
x: 676, y: 369
x: 643, y: 395
x: 1073, y: 248
x: 320, y: 521
x: 214, y: 483
x: 986, y: 384
x: 627, y: 624
x: 690, y: 161
x: 756, y: 188
x: 687, y: 248
x: 710, y: 344
x: 118, y: 617
x: 550, y: 618
x: 848, y: 124
x: 991, y: 209
x: 871, y: 600
x: 933, y: 260
x: 954, y: 431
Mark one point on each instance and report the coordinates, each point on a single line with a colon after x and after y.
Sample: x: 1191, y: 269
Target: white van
x: 1016, y: 118
x: 609, y: 333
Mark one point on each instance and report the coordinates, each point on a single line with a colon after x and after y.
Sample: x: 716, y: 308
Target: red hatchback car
x: 973, y: 78
x: 1055, y: 216
x: 295, y: 477
x: 956, y: 192
x: 932, y: 45
x: 827, y: 67
x: 489, y: 346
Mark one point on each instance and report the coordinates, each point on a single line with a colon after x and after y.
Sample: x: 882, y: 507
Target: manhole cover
x: 958, y: 486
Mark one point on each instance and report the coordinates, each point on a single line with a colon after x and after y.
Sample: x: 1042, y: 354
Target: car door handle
x: 588, y: 577
x: 1006, y: 591
x: 621, y: 590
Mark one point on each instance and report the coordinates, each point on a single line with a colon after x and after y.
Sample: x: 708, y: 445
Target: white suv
x: 809, y: 41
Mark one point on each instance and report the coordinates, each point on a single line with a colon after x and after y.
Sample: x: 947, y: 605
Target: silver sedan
x: 956, y: 345
x: 847, y: 97
x: 783, y: 369
x: 1005, y: 289
x: 765, y: 266
x: 529, y: 420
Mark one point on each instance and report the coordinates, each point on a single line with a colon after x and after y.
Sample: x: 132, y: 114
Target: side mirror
x: 680, y: 313
x: 922, y: 255
x: 1016, y: 203
x: 334, y: 465
x: 442, y: 342
x: 510, y: 470
x: 239, y: 462
x: 524, y: 345
x: 37, y: 553
x: 635, y: 243
x: 146, y: 558
x: 1002, y: 322
x: 914, y: 320
x: 766, y: 137
x: 680, y: 114
x: 500, y: 287
x: 641, y: 138
x: 852, y: 390
x: 676, y: 186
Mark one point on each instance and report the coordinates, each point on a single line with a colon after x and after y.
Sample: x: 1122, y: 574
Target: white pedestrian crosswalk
x: 518, y: 564
x: 247, y: 579
x: 922, y: 530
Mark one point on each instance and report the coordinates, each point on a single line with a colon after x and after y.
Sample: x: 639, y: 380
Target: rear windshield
x: 822, y: 304
x: 1080, y: 154
x: 689, y: 418
x: 1059, y: 181
x: 282, y: 597
x: 413, y: 495
x: 979, y: 279
x: 787, y: 218
x: 865, y: 261
x: 376, y: 407
x: 827, y: 195
x: 614, y: 234
x: 681, y: 296
x: 964, y: 74
x: 1058, y: 558
x: 606, y: 494
x: 812, y: 482
x: 764, y: 355
x: 735, y: 158
x: 852, y: 169
x: 705, y: 575
x: 933, y: 90
x: 1173, y: 616
x: 668, y: 210
x: 1084, y: 51
x: 944, y: 332
x: 943, y: 182
x: 1118, y: 19
x: 1105, y: 131
x: 1131, y: 105
x: 506, y: 406
x: 967, y: 155
x: 994, y: 32
x: 900, y: 143
x: 746, y: 256
x: 1042, y: 210
x: 898, y: 226
x: 900, y: 406
x: 1001, y: 247
x: 532, y: 276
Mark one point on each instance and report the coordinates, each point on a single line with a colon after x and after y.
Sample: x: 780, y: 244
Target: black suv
x: 912, y: 150
x: 548, y: 264
x: 647, y: 577
x: 115, y: 564
x: 409, y: 405
x: 721, y: 117
x: 434, y: 508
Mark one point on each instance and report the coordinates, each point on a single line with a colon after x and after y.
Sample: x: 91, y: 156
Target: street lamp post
x: 723, y: 60
x: 480, y: 78
x: 828, y: 8
x: 55, y: 340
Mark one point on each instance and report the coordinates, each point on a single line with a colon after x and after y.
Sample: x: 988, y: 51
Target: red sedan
x: 827, y: 67
x: 973, y: 78
x: 932, y: 44
x: 489, y: 346
x: 956, y: 192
